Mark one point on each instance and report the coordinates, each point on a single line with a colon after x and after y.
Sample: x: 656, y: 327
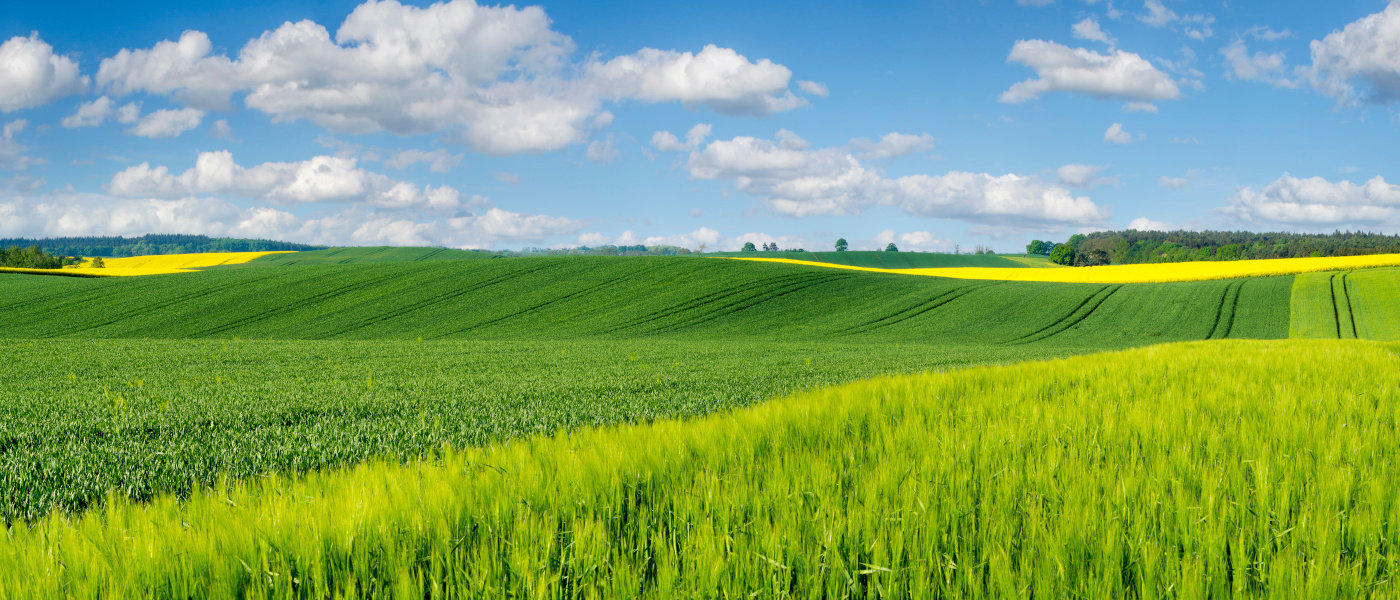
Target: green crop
x: 620, y: 298
x: 83, y: 418
x: 1347, y: 305
x: 1210, y: 469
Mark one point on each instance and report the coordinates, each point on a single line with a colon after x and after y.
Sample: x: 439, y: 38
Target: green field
x: 1220, y: 469
x: 622, y: 298
x: 1347, y: 305
x: 889, y: 260
x: 596, y: 426
x: 343, y: 256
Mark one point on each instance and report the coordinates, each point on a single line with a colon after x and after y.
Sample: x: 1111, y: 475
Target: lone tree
x: 891, y: 248
x: 97, y: 263
x: 748, y: 247
x: 841, y: 245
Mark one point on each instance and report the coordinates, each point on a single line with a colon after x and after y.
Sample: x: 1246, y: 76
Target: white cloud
x: 1261, y: 66
x: 494, y: 77
x: 1265, y: 33
x: 1157, y: 15
x: 1118, y: 74
x: 601, y: 151
x: 666, y: 141
x: 795, y: 181
x: 439, y: 161
x: 96, y: 112
x: 892, y: 145
x: 1146, y: 224
x: 320, y: 179
x: 711, y: 239
x: 1172, y: 183
x: 167, y: 123
x: 1146, y: 107
x: 719, y: 78
x: 1198, y: 27
x: 1089, y: 29
x: 1360, y: 63
x: 12, y: 153
x: 1316, y: 203
x: 1082, y: 176
x: 1188, y: 140
x: 32, y: 75
x: 66, y: 214
x: 221, y: 130
x: 1117, y: 135
x: 913, y: 241
x: 505, y: 177
x: 814, y: 88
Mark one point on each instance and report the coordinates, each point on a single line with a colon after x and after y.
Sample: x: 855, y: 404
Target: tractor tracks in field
x: 1075, y: 317
x: 1225, y: 312
x: 1346, y: 323
x: 722, y: 303
x: 919, y: 309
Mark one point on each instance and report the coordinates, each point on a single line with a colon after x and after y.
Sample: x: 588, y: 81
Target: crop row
x: 82, y: 418
x: 619, y: 298
x: 1206, y: 470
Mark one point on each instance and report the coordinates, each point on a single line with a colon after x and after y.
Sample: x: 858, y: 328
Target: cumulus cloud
x: 320, y: 179
x: 601, y: 151
x: 97, y: 112
x: 496, y: 78
x: 1082, y: 176
x: 167, y: 123
x: 1316, y: 203
x: 892, y: 145
x: 1261, y: 66
x: 718, y: 78
x: 1360, y: 63
x: 1117, y: 75
x: 796, y: 181
x: 1197, y: 26
x: 814, y: 88
x: 439, y: 161
x: 1117, y: 135
x: 1089, y: 29
x: 66, y: 214
x: 712, y: 240
x: 913, y: 241
x: 12, y: 153
x: 1146, y: 224
x: 666, y: 141
x: 1172, y: 183
x: 32, y: 75
x: 221, y: 130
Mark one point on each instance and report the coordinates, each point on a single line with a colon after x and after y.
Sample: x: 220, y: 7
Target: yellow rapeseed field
x: 1149, y: 273
x: 162, y: 264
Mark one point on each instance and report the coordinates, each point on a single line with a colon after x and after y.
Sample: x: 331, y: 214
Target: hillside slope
x: 604, y: 297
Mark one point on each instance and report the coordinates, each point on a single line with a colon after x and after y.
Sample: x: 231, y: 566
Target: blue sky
x: 928, y: 124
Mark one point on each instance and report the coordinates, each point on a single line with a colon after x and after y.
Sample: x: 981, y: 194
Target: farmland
x: 596, y: 425
x: 897, y: 260
x: 614, y: 298
x: 1143, y: 473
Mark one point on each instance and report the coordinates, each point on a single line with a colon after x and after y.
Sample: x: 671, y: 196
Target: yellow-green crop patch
x: 1200, y: 470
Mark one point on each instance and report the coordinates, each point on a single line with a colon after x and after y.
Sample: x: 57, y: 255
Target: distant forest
x: 1134, y: 247
x: 148, y: 245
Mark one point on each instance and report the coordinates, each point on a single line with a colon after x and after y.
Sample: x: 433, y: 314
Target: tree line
x: 33, y: 257
x: 148, y: 245
x: 1138, y: 247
